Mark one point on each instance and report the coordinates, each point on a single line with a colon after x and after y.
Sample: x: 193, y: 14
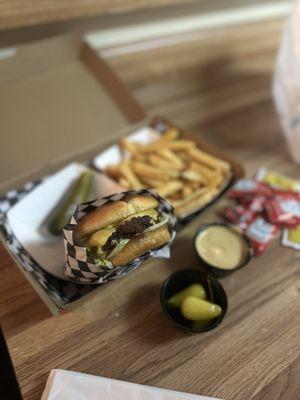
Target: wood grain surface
x: 18, y: 13
x: 217, y: 86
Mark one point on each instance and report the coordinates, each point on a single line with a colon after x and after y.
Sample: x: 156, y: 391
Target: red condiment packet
x: 260, y: 233
x: 287, y: 194
x: 245, y: 188
x: 256, y: 205
x: 283, y: 211
x: 245, y: 201
x: 239, y: 215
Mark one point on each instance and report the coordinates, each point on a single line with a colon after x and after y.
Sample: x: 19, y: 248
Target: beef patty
x: 128, y: 229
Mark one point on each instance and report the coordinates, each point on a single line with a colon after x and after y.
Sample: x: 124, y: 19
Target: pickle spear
x: 196, y: 309
x: 80, y: 193
x: 194, y: 290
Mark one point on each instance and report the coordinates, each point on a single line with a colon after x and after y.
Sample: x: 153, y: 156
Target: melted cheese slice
x: 152, y: 213
x: 100, y: 237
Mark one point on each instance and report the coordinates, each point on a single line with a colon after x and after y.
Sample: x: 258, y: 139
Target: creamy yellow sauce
x: 222, y: 247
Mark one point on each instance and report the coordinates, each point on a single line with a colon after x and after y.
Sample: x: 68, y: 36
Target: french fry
x: 192, y: 175
x: 195, y: 202
x: 184, y: 157
x: 151, y: 183
x: 181, y: 144
x: 186, y: 199
x: 175, y: 196
x: 194, y: 185
x: 207, y: 159
x: 169, y: 188
x: 216, y: 181
x: 127, y: 145
x: 113, y: 171
x: 187, y: 191
x: 160, y: 162
x: 139, y: 157
x: 129, y: 175
x: 148, y: 171
x: 123, y: 182
x: 207, y: 173
x: 171, y: 134
x: 176, y: 145
x: 173, y: 158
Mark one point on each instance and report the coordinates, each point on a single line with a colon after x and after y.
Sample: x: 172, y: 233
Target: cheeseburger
x: 117, y: 233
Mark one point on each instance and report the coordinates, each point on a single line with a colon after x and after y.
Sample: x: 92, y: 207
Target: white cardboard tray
x: 28, y: 217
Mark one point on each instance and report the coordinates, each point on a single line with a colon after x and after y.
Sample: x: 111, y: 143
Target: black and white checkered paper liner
x: 79, y: 264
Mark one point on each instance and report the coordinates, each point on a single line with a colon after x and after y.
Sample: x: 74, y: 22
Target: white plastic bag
x: 286, y: 85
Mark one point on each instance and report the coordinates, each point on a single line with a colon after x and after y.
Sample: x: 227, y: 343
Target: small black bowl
x: 216, y: 271
x: 180, y: 280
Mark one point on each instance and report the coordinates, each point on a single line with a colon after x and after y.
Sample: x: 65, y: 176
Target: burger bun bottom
x: 139, y: 245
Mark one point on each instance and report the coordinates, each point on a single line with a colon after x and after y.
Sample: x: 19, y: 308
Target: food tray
x: 40, y: 257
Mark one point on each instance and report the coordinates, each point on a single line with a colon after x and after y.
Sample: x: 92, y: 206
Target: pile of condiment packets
x: 264, y: 205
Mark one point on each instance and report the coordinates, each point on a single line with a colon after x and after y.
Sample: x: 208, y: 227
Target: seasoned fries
x: 144, y: 170
x: 209, y: 160
x: 174, y: 159
x: 193, y: 176
x: 169, y: 188
x: 129, y: 176
x: 171, y: 134
x: 160, y: 162
x: 176, y: 168
x: 176, y: 145
x: 126, y: 145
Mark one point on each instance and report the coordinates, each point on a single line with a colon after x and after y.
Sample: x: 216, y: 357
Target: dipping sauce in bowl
x: 221, y: 248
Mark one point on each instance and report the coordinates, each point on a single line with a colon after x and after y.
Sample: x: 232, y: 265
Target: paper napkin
x: 68, y: 385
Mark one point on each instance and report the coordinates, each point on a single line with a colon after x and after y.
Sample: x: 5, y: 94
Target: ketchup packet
x: 283, y: 211
x: 245, y: 188
x: 245, y: 201
x: 287, y: 194
x: 239, y: 215
x: 260, y: 233
x: 257, y: 204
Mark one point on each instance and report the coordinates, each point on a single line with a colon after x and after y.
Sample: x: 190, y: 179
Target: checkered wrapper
x: 79, y: 263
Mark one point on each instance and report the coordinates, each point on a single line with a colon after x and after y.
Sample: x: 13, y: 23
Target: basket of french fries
x: 160, y: 156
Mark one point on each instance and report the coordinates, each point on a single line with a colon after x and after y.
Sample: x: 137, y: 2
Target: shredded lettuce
x: 99, y: 258
x: 163, y: 218
x: 103, y: 263
x: 118, y: 247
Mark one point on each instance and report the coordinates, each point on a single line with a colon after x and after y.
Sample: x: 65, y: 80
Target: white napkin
x: 286, y: 84
x: 68, y: 385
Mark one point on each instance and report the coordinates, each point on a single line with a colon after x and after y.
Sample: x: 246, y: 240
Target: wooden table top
x: 16, y: 13
x: 218, y: 86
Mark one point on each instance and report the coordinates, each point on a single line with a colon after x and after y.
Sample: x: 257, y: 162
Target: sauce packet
x: 278, y: 181
x: 257, y: 204
x: 260, y: 233
x: 283, y: 211
x: 291, y: 238
x: 248, y: 188
x: 239, y: 216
